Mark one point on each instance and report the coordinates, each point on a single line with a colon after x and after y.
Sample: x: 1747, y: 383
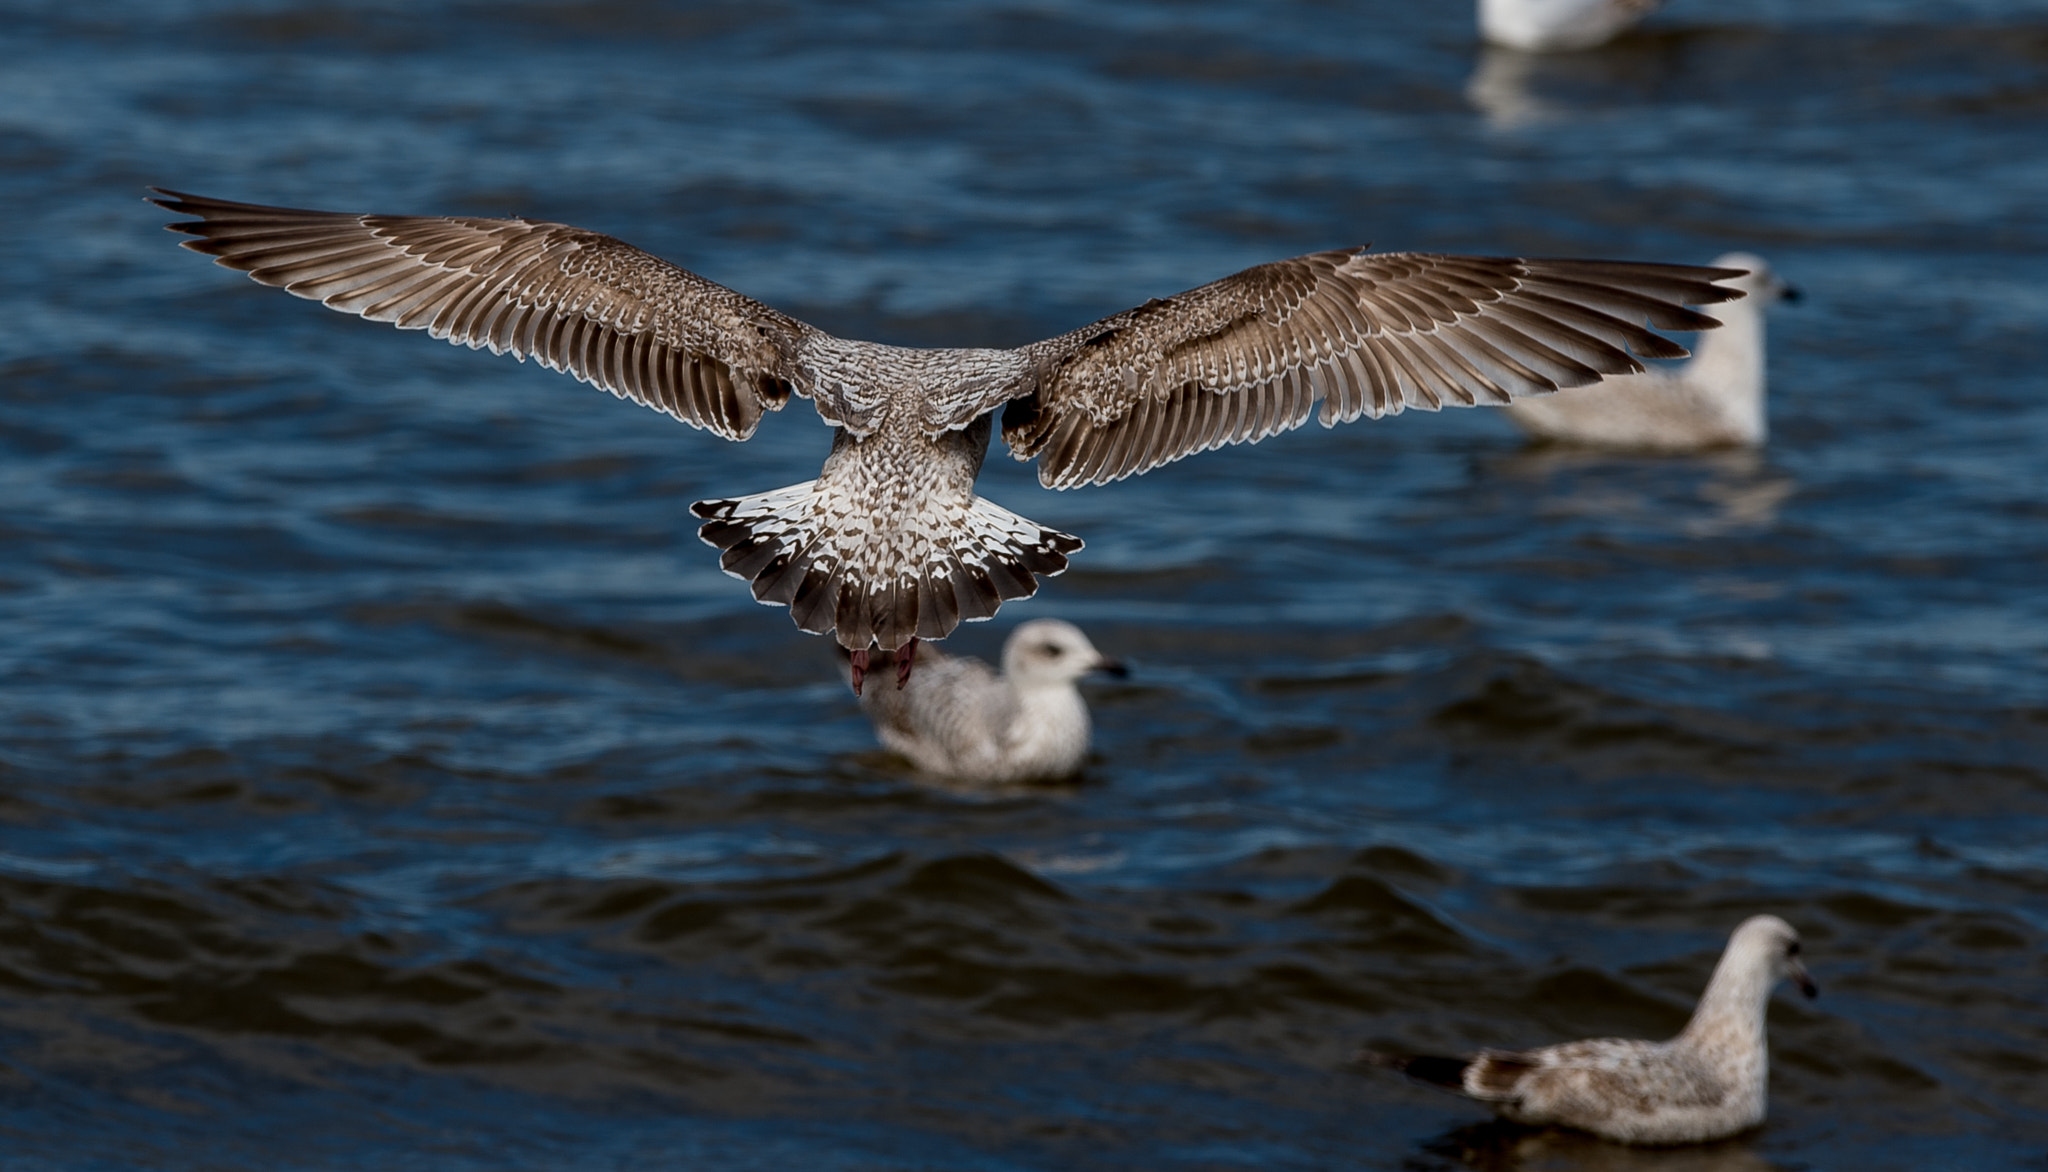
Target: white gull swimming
x: 1714, y: 400
x: 890, y: 544
x: 958, y: 719
x: 1554, y: 25
x: 1707, y: 1083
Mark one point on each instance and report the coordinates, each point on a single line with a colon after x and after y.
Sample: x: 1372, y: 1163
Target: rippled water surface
x: 389, y: 778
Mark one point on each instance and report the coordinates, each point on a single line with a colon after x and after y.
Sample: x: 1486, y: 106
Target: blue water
x: 389, y: 778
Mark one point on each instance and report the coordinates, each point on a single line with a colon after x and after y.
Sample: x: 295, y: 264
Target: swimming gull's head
x: 1769, y: 944
x: 1051, y: 653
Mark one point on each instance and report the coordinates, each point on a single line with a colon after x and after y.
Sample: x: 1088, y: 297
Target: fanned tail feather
x: 787, y: 546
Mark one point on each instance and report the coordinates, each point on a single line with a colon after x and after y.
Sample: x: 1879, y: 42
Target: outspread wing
x: 571, y: 300
x: 1359, y: 333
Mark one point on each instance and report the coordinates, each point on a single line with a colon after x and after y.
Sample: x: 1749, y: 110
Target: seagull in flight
x: 890, y: 545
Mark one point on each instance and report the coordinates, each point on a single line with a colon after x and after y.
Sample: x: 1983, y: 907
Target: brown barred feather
x: 890, y: 542
x: 491, y: 283
x: 1354, y: 332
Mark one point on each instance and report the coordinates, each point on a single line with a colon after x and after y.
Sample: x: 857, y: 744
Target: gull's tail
x: 1491, y: 1075
x: 1444, y: 1072
x: 838, y: 573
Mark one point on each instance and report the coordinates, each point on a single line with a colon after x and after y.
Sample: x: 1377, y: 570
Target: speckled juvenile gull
x: 1556, y: 25
x: 1715, y: 400
x: 958, y: 719
x: 890, y: 544
x: 1705, y: 1084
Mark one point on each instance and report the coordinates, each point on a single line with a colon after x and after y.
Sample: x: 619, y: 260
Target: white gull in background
x: 1542, y: 26
x: 958, y: 719
x: 1707, y: 1083
x: 1715, y: 400
x: 890, y: 544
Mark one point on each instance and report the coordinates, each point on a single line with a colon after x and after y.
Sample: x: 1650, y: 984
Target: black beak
x: 1114, y: 667
x: 1805, y: 983
x: 1791, y: 293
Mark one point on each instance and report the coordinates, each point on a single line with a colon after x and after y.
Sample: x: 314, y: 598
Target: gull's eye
x: 1052, y: 650
x: 1792, y: 949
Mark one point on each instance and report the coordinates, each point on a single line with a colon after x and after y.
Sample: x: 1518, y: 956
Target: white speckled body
x: 1709, y: 1082
x: 890, y: 541
x: 1714, y: 400
x: 958, y: 719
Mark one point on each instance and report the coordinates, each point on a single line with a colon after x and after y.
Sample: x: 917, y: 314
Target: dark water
x: 389, y: 779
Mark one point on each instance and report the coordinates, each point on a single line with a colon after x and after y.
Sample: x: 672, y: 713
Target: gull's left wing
x: 1359, y: 333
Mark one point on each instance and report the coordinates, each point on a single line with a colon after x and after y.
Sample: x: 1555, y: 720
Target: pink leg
x: 905, y: 660
x: 860, y: 667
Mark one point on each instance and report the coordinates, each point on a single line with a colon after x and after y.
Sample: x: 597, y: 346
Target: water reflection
x: 1513, y: 88
x: 1510, y: 1147
x: 1502, y: 88
x: 1708, y: 494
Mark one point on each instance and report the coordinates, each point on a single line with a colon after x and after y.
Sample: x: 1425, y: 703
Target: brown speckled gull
x: 890, y: 543
x: 1707, y: 1083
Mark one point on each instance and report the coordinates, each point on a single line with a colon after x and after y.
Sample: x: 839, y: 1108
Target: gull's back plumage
x: 890, y: 543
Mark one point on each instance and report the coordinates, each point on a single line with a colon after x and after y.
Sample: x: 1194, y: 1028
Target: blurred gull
x: 1715, y: 400
x: 958, y: 719
x: 1541, y: 26
x: 1705, y: 1084
x: 890, y: 544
